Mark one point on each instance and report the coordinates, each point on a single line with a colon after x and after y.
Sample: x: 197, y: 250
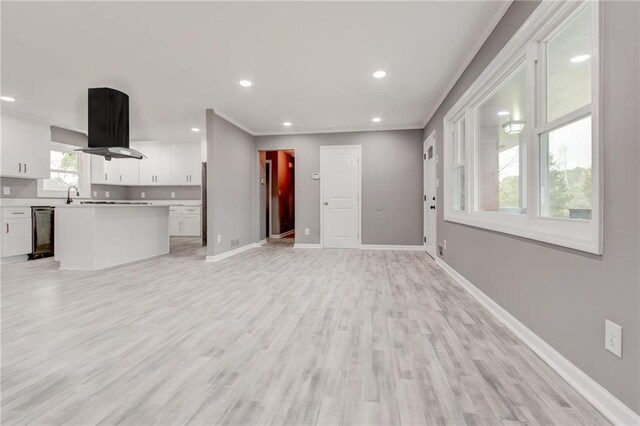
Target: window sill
x: 575, y: 234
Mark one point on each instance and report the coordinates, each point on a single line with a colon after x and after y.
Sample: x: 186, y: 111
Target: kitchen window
x: 522, y: 145
x: 67, y: 168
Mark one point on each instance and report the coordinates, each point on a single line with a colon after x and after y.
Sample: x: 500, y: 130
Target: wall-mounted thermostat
x: 315, y: 176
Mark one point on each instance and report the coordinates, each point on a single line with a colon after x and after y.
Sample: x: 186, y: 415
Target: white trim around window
x: 84, y: 186
x: 527, y: 49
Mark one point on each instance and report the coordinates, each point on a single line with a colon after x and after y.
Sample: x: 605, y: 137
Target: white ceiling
x: 310, y: 62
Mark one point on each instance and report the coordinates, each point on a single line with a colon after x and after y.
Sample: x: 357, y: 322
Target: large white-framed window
x: 67, y: 168
x: 530, y: 125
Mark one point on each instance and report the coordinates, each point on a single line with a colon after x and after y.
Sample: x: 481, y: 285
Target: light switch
x: 106, y: 194
x: 173, y: 194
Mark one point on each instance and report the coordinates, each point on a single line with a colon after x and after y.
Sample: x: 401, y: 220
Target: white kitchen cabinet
x: 191, y: 226
x: 156, y: 168
x: 103, y: 171
x: 129, y: 171
x: 26, y: 147
x: 16, y: 231
x: 186, y: 163
x: 175, y: 217
x: 184, y: 221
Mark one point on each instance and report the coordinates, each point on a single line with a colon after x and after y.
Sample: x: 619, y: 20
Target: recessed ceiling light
x: 7, y: 98
x: 287, y: 124
x: 245, y: 83
x: 379, y: 74
x: 580, y: 58
x: 503, y: 112
x: 195, y: 129
x: 376, y: 119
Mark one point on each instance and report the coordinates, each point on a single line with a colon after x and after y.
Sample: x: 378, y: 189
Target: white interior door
x: 430, y: 193
x: 340, y: 196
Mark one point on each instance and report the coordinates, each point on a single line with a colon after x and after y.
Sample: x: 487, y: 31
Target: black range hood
x: 109, y: 125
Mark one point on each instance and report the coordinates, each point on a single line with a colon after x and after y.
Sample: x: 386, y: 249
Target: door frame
x: 270, y: 187
x: 424, y: 191
x: 323, y: 149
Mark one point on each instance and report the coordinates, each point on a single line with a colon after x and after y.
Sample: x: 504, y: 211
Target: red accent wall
x: 283, y: 191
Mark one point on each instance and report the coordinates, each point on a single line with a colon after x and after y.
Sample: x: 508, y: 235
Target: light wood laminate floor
x: 275, y: 335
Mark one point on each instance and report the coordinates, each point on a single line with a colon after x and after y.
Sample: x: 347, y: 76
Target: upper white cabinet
x: 186, y: 163
x: 177, y: 163
x: 103, y: 171
x: 128, y: 171
x: 118, y: 171
x: 25, y: 148
x: 156, y: 168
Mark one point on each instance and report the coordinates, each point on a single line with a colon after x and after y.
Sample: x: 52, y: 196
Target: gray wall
x: 232, y: 160
x: 391, y: 183
x: 562, y: 295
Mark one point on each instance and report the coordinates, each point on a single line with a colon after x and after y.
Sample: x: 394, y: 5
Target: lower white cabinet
x: 16, y: 231
x: 184, y: 221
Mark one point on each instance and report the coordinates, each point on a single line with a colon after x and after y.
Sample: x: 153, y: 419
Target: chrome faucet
x: 69, y: 200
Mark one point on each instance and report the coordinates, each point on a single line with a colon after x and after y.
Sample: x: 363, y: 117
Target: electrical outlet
x: 173, y: 194
x: 219, y: 238
x: 306, y: 231
x: 106, y: 194
x: 613, y: 338
x: 95, y: 193
x: 6, y: 190
x: 444, y: 244
x: 142, y: 195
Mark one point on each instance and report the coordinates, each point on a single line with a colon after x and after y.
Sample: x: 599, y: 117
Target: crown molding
x: 234, y: 122
x: 341, y: 130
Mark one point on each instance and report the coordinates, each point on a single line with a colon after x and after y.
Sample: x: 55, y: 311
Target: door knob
x: 432, y: 207
x: 326, y: 203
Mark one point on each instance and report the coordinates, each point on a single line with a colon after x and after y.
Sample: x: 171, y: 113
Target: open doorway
x: 279, y: 195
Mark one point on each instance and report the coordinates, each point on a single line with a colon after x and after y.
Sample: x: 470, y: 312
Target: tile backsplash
x: 28, y: 188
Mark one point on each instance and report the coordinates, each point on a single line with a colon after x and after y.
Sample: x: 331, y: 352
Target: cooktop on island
x: 114, y: 202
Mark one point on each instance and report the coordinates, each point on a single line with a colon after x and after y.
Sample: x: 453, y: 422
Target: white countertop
x: 58, y: 202
x: 84, y: 206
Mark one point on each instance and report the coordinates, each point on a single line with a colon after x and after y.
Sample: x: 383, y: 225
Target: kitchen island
x: 90, y: 237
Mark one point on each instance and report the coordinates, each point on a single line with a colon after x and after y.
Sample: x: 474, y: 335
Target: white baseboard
x: 227, y: 254
x: 307, y: 246
x: 263, y: 242
x: 390, y: 247
x: 283, y: 235
x: 610, y: 406
x: 14, y: 259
